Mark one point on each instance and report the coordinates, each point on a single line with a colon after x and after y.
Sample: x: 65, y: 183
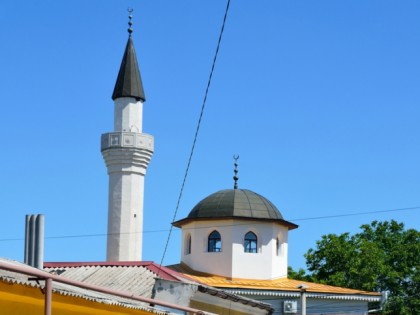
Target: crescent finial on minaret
x: 129, y: 82
x: 130, y: 22
x: 235, y: 177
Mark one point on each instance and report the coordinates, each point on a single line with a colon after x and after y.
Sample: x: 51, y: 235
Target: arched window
x: 250, y: 243
x: 188, y: 244
x: 214, y: 242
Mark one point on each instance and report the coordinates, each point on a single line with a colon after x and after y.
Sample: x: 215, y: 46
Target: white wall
x: 128, y: 115
x: 127, y: 153
x: 232, y: 261
x: 125, y: 217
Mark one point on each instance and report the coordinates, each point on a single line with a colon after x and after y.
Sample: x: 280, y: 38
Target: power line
x: 237, y: 224
x: 84, y: 235
x: 197, y: 129
x: 354, y: 214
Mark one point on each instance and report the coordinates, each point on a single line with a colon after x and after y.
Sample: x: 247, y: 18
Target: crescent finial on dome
x: 235, y: 177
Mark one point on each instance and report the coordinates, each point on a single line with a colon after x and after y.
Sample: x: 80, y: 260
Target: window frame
x: 214, y: 242
x: 251, y: 243
x: 188, y: 245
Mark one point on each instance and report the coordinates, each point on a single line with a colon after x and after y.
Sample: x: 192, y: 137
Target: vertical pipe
x: 31, y: 260
x: 48, y: 296
x: 303, y: 301
x: 39, y: 242
x: 27, y: 233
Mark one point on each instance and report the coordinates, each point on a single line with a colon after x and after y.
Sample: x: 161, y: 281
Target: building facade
x: 237, y: 240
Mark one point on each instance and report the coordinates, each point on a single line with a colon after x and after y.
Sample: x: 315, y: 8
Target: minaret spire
x: 129, y: 82
x: 127, y: 153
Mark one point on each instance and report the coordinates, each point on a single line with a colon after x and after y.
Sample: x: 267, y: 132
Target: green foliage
x: 382, y: 257
x: 298, y: 275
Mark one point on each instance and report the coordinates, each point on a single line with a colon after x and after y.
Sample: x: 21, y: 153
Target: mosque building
x: 234, y: 239
x: 237, y: 240
x: 234, y: 244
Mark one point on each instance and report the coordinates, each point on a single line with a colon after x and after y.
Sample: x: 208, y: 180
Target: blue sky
x: 320, y: 99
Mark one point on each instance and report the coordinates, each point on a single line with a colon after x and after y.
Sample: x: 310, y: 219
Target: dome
x: 239, y: 204
x: 235, y: 203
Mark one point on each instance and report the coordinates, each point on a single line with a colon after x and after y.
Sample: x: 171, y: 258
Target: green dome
x: 241, y: 204
x: 230, y: 203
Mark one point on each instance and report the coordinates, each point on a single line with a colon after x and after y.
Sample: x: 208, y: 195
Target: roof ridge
x: 96, y: 263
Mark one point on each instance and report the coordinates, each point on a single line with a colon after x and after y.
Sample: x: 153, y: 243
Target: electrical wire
x: 354, y: 214
x: 197, y: 129
x: 236, y: 224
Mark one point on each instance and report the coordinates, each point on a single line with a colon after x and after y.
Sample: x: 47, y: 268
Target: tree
x: 383, y: 257
x: 298, y: 275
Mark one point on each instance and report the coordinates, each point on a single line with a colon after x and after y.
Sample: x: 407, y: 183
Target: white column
x: 125, y: 217
x: 128, y: 115
x: 127, y: 153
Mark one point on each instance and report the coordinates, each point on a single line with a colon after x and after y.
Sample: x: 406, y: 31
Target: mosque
x: 234, y: 239
x: 234, y: 244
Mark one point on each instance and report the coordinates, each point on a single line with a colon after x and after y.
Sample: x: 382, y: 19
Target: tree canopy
x: 383, y: 257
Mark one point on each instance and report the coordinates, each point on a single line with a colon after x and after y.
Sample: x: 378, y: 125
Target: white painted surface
x: 185, y: 294
x: 127, y: 160
x: 128, y: 114
x: 125, y: 217
x: 178, y: 293
x: 232, y: 261
x: 127, y: 153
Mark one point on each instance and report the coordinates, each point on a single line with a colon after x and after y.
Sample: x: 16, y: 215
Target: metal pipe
x: 303, y: 302
x: 32, y: 241
x: 48, y: 296
x: 45, y: 275
x: 27, y: 236
x: 39, y: 241
x: 302, y: 287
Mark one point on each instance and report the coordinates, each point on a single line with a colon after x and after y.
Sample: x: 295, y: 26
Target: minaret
x: 127, y: 152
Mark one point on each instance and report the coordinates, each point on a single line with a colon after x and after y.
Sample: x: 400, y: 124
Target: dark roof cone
x: 129, y: 80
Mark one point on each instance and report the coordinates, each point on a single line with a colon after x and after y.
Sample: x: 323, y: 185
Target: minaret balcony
x: 127, y: 152
x: 114, y: 140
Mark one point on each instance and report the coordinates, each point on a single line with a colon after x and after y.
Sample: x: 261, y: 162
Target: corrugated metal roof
x: 290, y: 294
x: 135, y: 279
x: 161, y: 271
x: 70, y: 290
